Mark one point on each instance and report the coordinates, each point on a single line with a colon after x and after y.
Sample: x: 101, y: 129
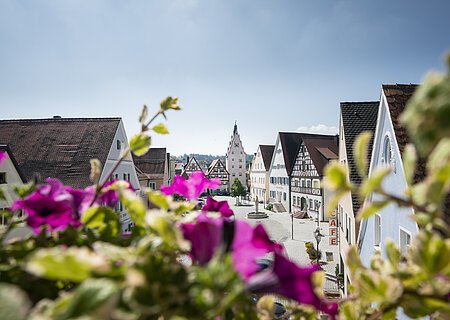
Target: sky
x: 270, y: 65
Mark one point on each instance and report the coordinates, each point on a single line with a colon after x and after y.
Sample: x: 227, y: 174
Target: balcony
x: 305, y: 190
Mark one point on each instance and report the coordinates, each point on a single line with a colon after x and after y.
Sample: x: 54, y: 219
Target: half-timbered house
x: 217, y: 170
x: 314, y: 153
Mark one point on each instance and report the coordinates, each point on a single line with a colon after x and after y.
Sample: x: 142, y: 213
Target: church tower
x: 236, y: 159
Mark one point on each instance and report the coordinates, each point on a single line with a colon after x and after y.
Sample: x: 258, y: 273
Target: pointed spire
x: 235, y: 128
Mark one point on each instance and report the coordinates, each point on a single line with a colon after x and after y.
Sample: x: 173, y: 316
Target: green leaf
x: 375, y: 287
x: 96, y: 170
x: 24, y: 190
x: 144, y: 115
x: 169, y: 103
x: 160, y: 128
x: 102, y: 220
x: 140, y: 143
x: 66, y: 264
x: 373, y: 183
x: 336, y: 177
x: 393, y: 254
x: 14, y: 303
x: 409, y: 162
x: 353, y: 260
x: 2, y: 193
x: 158, y: 199
x: 135, y: 207
x: 95, y: 297
x: 432, y: 253
x: 360, y: 150
x: 371, y: 208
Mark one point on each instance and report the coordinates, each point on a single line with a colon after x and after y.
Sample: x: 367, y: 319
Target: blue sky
x: 272, y: 65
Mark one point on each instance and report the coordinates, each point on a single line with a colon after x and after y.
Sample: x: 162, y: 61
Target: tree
x: 237, y: 189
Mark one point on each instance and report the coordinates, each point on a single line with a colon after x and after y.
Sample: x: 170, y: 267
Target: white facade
x: 236, y: 159
x: 9, y: 177
x: 278, y: 178
x: 259, y: 179
x: 346, y: 217
x: 125, y: 171
x: 392, y: 222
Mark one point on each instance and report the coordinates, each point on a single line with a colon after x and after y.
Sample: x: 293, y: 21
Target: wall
x: 392, y: 217
x: 278, y: 170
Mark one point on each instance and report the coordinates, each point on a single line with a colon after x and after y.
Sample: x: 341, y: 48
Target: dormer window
x: 119, y: 145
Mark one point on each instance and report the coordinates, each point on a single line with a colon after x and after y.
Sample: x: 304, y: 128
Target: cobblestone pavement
x: 279, y: 228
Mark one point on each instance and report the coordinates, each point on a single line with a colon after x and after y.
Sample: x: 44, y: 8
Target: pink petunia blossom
x: 218, y: 206
x: 296, y: 283
x: 205, y: 236
x: 51, y: 205
x: 248, y: 243
x: 3, y: 156
x: 192, y: 187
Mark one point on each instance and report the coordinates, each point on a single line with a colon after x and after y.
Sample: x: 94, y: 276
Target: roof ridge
x: 62, y: 119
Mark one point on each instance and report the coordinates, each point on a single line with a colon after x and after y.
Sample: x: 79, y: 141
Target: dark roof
x: 358, y: 117
x: 266, y: 153
x: 290, y: 142
x: 153, y: 162
x: 59, y: 147
x: 397, y: 96
x: 321, y: 148
x: 7, y: 149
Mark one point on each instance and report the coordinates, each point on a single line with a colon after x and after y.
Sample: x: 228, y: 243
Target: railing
x: 317, y: 192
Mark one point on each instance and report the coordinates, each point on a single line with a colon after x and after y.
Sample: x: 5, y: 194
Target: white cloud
x: 319, y: 128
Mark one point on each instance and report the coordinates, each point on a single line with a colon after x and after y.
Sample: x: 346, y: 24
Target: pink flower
x: 205, y: 236
x: 109, y: 196
x: 191, y: 188
x: 53, y: 205
x: 218, y: 206
x: 3, y: 156
x: 247, y: 243
x: 291, y: 281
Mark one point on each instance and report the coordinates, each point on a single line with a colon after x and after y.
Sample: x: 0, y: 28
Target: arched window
x: 387, y: 156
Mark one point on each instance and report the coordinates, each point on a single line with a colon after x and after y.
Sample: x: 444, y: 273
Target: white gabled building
x: 283, y: 159
x: 259, y: 173
x: 236, y: 159
x: 355, y: 118
x: 10, y: 175
x: 62, y: 148
x: 390, y: 140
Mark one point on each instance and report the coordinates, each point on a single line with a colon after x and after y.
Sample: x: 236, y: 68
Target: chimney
x: 56, y: 117
x: 187, y: 160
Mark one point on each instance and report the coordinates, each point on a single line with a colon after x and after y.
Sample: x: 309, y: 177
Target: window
x: 405, y: 240
x: 316, y: 184
x: 240, y: 174
x: 284, y: 196
x: 377, y: 230
x: 308, y: 183
x: 119, y: 145
x: 3, y: 177
x: 387, y: 156
x: 151, y: 185
x: 240, y: 166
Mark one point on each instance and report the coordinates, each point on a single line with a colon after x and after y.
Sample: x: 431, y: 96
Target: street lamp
x: 318, y: 237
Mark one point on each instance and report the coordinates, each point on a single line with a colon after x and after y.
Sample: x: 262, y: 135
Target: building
x: 307, y: 195
x: 217, y: 170
x: 192, y: 165
x: 390, y: 139
x: 355, y: 118
x: 62, y: 148
x: 259, y: 173
x: 236, y: 159
x: 10, y: 175
x: 281, y: 165
x: 153, y: 168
